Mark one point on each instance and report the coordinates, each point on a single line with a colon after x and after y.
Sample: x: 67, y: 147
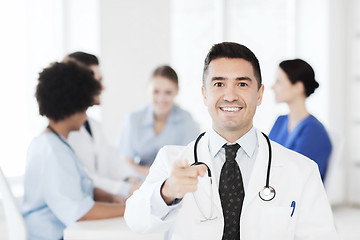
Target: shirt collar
x: 148, y: 119
x: 175, y: 115
x: 247, y: 142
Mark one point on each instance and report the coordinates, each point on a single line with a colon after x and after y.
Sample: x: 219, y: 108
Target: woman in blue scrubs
x: 299, y: 130
x: 58, y: 192
x: 148, y: 129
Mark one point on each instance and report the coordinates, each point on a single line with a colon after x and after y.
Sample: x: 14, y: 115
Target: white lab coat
x: 101, y: 160
x: 294, y: 177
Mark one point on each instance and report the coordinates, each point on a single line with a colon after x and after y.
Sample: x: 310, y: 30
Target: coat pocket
x: 276, y: 223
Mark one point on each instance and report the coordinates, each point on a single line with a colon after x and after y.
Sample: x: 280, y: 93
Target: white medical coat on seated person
x: 294, y: 177
x: 102, y: 161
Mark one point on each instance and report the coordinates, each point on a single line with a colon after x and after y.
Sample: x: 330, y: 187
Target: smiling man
x: 214, y: 187
x: 231, y: 93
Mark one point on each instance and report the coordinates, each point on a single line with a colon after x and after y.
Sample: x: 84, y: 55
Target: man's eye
x: 243, y: 84
x: 219, y: 84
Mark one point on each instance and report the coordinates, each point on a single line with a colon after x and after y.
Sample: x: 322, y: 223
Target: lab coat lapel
x: 258, y: 175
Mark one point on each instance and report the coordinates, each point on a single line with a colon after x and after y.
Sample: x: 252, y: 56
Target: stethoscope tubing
x: 269, y: 162
x: 267, y: 186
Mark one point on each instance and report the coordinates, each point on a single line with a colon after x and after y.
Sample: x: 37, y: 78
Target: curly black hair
x: 65, y: 89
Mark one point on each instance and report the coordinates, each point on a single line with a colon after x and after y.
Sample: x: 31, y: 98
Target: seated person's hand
x: 136, y: 183
x: 119, y: 199
x: 130, y: 161
x: 133, y: 180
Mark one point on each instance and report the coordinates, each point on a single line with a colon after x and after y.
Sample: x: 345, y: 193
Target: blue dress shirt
x: 309, y: 138
x: 57, y: 190
x: 138, y: 140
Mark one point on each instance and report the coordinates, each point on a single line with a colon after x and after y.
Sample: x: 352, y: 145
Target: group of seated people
x: 74, y: 174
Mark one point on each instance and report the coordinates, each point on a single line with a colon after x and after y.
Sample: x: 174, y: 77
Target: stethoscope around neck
x: 267, y: 193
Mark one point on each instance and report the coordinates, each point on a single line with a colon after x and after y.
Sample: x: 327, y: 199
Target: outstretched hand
x: 183, y: 179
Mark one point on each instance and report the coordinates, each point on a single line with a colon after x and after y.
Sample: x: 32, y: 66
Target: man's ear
x: 203, y: 91
x: 260, y: 94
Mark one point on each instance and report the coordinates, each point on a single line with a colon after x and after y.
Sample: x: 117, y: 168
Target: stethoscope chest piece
x: 267, y: 193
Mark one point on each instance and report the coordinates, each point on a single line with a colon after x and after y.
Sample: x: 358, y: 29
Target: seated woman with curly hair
x: 58, y: 191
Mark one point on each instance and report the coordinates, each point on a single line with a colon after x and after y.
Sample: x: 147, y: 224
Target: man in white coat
x: 101, y: 160
x: 182, y: 200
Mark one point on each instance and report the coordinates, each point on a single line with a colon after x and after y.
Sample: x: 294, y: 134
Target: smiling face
x: 231, y: 95
x: 163, y: 92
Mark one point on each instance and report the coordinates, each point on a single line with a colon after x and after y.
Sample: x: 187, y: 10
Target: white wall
x: 337, y: 61
x: 81, y: 21
x: 31, y: 38
x: 311, y: 44
x: 194, y: 30
x: 337, y: 79
x: 266, y: 27
x: 135, y: 38
x: 352, y: 87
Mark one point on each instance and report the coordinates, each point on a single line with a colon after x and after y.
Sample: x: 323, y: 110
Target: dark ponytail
x: 299, y: 70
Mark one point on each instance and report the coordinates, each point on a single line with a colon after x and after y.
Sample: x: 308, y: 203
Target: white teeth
x: 231, y: 109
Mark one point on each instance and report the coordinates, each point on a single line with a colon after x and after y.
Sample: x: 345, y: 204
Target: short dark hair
x: 85, y: 58
x: 232, y: 50
x: 64, y: 89
x: 167, y: 72
x: 299, y: 70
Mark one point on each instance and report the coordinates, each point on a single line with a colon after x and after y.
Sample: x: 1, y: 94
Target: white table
x: 113, y: 228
